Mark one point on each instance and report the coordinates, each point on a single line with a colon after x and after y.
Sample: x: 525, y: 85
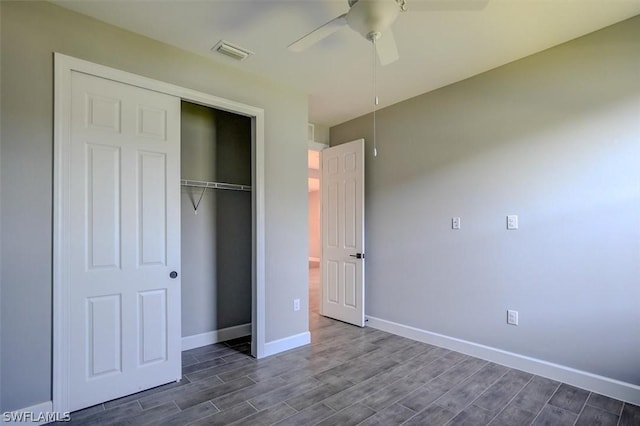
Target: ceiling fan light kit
x: 372, y: 16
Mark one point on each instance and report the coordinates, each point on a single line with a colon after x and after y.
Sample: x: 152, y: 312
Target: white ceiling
x: 436, y: 47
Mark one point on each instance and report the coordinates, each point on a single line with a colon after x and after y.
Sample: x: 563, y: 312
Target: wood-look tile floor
x: 354, y: 376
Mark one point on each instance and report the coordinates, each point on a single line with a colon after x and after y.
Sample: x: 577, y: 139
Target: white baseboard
x: 291, y: 342
x: 38, y: 414
x: 211, y: 337
x: 606, y: 386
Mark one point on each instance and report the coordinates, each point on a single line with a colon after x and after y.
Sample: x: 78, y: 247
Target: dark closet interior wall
x: 216, y: 243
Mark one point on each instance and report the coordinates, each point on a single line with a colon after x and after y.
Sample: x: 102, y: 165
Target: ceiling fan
x: 373, y: 20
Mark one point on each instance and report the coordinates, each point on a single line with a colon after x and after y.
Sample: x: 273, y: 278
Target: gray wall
x: 0, y: 206
x: 321, y: 133
x: 553, y: 138
x: 31, y: 32
x: 216, y: 243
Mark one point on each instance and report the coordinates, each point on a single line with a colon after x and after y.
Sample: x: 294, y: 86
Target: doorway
x: 315, y: 236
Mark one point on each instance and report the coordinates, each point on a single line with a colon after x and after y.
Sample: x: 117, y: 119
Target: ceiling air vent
x: 232, y: 51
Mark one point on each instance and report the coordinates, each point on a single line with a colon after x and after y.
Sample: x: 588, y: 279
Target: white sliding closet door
x: 124, y: 242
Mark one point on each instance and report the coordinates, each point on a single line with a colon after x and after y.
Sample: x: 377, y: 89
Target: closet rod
x: 215, y: 185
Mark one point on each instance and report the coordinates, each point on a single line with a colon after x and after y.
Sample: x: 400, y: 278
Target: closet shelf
x: 215, y: 185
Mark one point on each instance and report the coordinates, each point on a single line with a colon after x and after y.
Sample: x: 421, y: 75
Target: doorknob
x: 358, y: 255
x: 173, y: 274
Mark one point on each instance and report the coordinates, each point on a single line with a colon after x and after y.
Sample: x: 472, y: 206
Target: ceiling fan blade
x: 318, y: 34
x: 386, y: 47
x: 446, y: 5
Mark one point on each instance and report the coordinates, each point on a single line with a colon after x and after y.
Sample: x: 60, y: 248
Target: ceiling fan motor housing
x: 368, y: 17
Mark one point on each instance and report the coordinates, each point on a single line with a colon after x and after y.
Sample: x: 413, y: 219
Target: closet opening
x: 217, y: 231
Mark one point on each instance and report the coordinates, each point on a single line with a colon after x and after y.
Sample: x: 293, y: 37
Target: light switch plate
x: 512, y: 221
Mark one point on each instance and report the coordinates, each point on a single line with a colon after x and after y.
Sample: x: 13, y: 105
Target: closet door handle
x: 173, y: 274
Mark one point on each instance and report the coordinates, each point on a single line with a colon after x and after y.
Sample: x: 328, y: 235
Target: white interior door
x: 343, y: 232
x: 124, y: 240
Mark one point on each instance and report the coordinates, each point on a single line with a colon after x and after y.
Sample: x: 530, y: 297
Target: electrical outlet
x: 512, y: 221
x: 296, y: 304
x: 455, y: 223
x: 512, y: 317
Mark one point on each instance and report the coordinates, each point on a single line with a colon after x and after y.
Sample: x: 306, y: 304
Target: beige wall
x: 553, y: 138
x: 30, y: 33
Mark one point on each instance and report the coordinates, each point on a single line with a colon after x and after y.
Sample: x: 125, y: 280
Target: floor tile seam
x: 416, y: 355
x: 187, y: 391
x: 411, y: 393
x: 89, y: 416
x: 424, y: 366
x: 402, y: 347
x: 512, y: 399
x: 582, y: 408
x: 191, y: 380
x: 295, y: 411
x: 474, y: 400
x: 361, y: 403
x: 288, y: 417
x: 336, y: 412
x: 454, y: 365
x: 304, y: 393
x: 363, y: 421
x: 208, y: 389
x: 381, y: 390
x: 282, y: 401
x: 488, y: 387
x: 566, y: 409
x: 621, y: 412
x: 97, y: 412
x: 357, y: 401
x: 465, y: 378
x: 425, y: 409
x: 408, y: 408
x: 201, y: 418
x: 154, y: 421
x: 317, y: 421
x: 546, y: 403
x: 209, y: 360
x: 399, y: 363
x: 252, y: 406
x: 214, y: 406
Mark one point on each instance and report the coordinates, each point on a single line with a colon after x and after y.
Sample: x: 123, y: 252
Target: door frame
x: 63, y: 67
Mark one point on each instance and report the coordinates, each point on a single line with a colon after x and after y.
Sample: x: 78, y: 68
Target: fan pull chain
x: 375, y: 93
